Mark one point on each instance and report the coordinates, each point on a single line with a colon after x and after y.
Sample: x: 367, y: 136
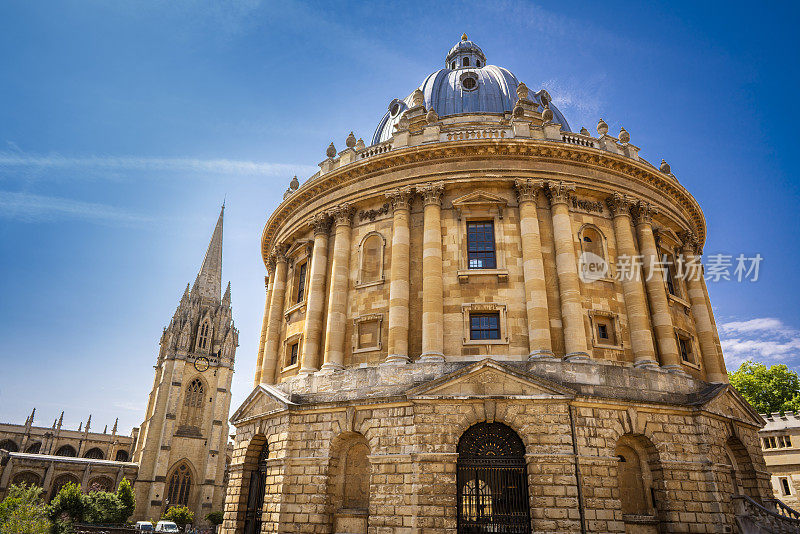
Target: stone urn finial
x: 624, y: 136
x: 584, y: 131
x: 665, y: 168
x: 350, y: 141
x: 294, y: 184
x: 463, y: 36
x: 432, y: 117
x: 359, y: 144
x: 547, y: 114
x: 417, y: 98
x: 602, y: 127
x: 522, y: 91
x: 331, y: 152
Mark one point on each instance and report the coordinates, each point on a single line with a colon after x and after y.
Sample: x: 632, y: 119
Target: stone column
x: 567, y: 269
x: 399, y: 277
x: 644, y: 352
x: 432, y: 290
x: 656, y: 288
x: 315, y: 304
x: 539, y: 343
x: 265, y: 321
x: 271, y: 345
x: 703, y: 323
x: 337, y: 298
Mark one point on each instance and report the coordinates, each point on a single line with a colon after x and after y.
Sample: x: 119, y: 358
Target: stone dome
x: 466, y: 85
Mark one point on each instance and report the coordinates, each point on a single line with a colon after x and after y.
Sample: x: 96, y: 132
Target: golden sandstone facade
x: 438, y: 356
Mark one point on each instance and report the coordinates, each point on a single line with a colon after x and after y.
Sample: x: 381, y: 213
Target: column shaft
x: 432, y: 290
x: 656, y: 290
x: 315, y: 305
x: 264, y: 322
x: 567, y: 269
x: 399, y: 278
x: 539, y: 342
x: 337, y: 298
x: 644, y: 352
x: 269, y: 364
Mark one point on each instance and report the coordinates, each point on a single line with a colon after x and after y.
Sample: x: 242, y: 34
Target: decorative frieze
x: 373, y: 213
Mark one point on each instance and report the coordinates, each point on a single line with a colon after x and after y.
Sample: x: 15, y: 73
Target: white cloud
x: 764, y: 339
x: 28, y: 207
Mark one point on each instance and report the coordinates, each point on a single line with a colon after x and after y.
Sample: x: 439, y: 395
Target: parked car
x: 144, y: 526
x: 166, y: 526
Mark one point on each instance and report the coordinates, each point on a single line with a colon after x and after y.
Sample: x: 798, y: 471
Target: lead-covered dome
x: 466, y: 85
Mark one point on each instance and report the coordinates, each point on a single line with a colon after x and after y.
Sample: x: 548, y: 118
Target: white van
x: 166, y: 526
x: 144, y: 526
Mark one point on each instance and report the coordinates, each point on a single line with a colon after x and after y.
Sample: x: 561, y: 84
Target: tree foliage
x: 103, y: 508
x: 127, y: 499
x: 767, y: 389
x: 69, y: 504
x: 23, y: 512
x: 180, y: 515
x: 215, y: 518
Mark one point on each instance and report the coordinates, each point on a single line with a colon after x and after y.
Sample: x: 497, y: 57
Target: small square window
x: 293, y: 348
x: 484, y: 326
x: 602, y: 331
x: 480, y: 245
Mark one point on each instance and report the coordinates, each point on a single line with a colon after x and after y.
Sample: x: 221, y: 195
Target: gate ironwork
x: 255, y: 495
x: 492, y: 481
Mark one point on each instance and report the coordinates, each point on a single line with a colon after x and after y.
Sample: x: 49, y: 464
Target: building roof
x: 209, y: 279
x: 776, y: 421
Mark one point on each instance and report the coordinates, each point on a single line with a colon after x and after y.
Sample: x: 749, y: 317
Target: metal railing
x: 753, y: 517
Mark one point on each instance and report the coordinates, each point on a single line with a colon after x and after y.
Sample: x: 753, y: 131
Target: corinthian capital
x: 400, y: 198
x: 527, y: 189
x: 619, y: 204
x: 690, y: 243
x: 321, y: 223
x: 279, y: 254
x: 343, y: 214
x: 559, y: 192
x: 431, y: 193
x: 643, y: 212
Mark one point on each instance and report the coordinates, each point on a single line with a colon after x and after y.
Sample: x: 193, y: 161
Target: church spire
x: 209, y: 279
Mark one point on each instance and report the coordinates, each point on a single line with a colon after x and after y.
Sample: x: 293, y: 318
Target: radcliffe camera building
x: 179, y: 455
x: 432, y: 359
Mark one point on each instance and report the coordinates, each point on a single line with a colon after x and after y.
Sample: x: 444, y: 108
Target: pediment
x: 479, y: 198
x: 727, y: 402
x: 488, y: 378
x: 263, y: 400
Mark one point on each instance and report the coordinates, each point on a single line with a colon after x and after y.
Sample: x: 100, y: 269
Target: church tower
x: 181, y: 448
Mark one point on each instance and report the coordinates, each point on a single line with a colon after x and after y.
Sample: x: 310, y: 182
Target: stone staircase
x: 773, y: 517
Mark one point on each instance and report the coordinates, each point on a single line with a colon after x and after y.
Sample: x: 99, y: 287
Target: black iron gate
x: 492, y: 481
x: 255, y: 495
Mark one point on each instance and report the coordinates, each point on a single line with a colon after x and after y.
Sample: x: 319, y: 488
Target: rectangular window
x: 785, y: 489
x: 685, y: 346
x: 301, y: 282
x: 292, y: 354
x: 772, y: 444
x: 766, y: 443
x: 787, y: 440
x: 602, y: 332
x: 484, y: 326
x: 480, y: 245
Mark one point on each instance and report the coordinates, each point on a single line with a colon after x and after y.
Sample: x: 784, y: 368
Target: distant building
x: 780, y: 442
x: 180, y: 454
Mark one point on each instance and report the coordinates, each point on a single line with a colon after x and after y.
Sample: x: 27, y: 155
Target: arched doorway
x: 492, y: 481
x: 255, y: 494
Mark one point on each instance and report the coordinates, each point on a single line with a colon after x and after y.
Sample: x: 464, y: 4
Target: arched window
x: 255, y: 493
x: 67, y: 450
x: 203, y: 334
x: 94, y: 454
x: 9, y: 445
x: 492, y: 482
x: 371, y: 259
x: 193, y: 404
x: 453, y: 65
x: 101, y: 484
x: 61, y: 481
x: 180, y: 485
x: 34, y: 448
x: 27, y: 478
x: 592, y: 241
x: 122, y: 455
x: 466, y: 62
x: 477, y: 62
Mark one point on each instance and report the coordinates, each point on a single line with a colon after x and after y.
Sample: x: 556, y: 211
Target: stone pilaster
x: 656, y: 289
x: 270, y: 360
x: 399, y: 277
x: 432, y: 290
x: 567, y: 270
x: 337, y: 298
x: 315, y: 307
x: 644, y: 352
x: 268, y: 282
x: 703, y: 323
x: 539, y: 342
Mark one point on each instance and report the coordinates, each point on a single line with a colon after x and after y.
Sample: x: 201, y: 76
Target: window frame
x: 610, y: 320
x: 476, y: 225
x: 689, y: 340
x: 297, y: 255
x: 467, y: 310
x: 294, y: 339
x: 357, y: 322
x: 480, y: 205
x: 493, y: 317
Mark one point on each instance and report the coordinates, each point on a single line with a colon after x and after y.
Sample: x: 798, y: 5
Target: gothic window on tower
x: 180, y: 486
x: 193, y: 404
x: 204, y: 334
x: 480, y: 245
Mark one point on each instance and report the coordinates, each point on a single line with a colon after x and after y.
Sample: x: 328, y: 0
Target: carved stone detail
x: 619, y: 204
x: 643, y: 212
x: 431, y: 193
x: 559, y: 192
x: 527, y: 189
x: 690, y: 243
x: 321, y: 223
x: 343, y: 214
x: 400, y: 198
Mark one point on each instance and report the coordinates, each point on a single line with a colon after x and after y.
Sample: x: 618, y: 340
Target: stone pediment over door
x: 488, y: 378
x: 729, y: 403
x: 263, y: 400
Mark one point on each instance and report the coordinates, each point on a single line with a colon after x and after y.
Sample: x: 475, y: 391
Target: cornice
x: 525, y: 149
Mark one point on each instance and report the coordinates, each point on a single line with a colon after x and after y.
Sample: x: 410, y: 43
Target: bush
x: 23, y: 512
x: 180, y: 515
x: 215, y: 518
x: 103, y: 508
x: 127, y: 500
x: 69, y: 504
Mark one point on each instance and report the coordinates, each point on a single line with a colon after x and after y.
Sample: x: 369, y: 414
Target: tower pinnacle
x: 209, y: 279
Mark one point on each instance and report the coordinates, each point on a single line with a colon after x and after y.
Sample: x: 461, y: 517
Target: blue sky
x: 123, y: 125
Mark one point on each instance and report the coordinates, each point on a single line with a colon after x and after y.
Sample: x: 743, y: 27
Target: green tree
x: 180, y: 515
x: 127, y: 499
x: 23, y: 512
x: 767, y: 389
x: 215, y: 518
x: 69, y: 504
x: 102, y: 508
